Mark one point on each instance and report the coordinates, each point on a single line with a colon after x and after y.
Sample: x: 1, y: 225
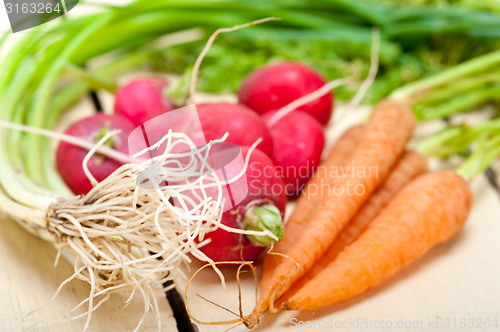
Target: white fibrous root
x: 133, y: 229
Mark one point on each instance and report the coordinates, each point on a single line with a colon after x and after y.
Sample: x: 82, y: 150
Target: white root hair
x: 196, y: 67
x: 127, y: 237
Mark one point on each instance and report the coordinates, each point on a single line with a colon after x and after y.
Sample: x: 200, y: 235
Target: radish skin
x: 243, y: 125
x: 264, y: 188
x: 69, y: 157
x: 277, y: 85
x: 142, y: 100
x: 298, y: 141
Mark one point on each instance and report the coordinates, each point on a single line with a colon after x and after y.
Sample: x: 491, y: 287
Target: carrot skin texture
x: 389, y: 129
x: 427, y: 212
x: 338, y: 156
x: 411, y: 165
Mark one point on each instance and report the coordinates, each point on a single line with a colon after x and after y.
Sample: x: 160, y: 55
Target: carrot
x: 427, y: 212
x: 411, y: 165
x: 389, y: 129
x: 311, y: 195
x: 338, y: 157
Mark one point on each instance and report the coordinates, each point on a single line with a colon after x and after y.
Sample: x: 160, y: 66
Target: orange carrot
x: 411, y: 165
x: 323, y: 178
x: 427, y: 212
x: 389, y: 129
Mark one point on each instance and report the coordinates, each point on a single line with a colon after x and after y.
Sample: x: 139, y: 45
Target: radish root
x: 242, y: 319
x: 197, y: 64
x: 123, y: 237
x: 273, y: 296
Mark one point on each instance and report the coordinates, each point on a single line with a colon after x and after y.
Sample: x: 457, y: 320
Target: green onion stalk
x: 459, y: 90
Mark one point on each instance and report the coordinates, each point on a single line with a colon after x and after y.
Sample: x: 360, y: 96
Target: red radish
x: 70, y: 157
x: 298, y: 142
x: 263, y: 208
x: 276, y: 85
x: 142, y: 99
x: 242, y: 124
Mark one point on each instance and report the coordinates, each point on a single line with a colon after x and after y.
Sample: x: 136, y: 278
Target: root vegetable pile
x: 215, y: 188
x: 411, y: 165
x: 379, y: 148
x: 340, y: 244
x: 427, y: 212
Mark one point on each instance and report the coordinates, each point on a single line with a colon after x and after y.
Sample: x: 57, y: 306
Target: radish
x: 242, y: 124
x: 298, y: 142
x: 69, y: 157
x: 262, y: 208
x: 142, y: 99
x: 276, y: 85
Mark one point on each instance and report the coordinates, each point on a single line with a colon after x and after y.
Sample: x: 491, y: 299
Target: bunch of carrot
x: 340, y: 244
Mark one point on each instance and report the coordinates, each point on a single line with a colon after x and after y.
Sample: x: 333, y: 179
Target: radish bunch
x: 294, y: 141
x: 289, y: 148
x: 298, y: 137
x: 136, y: 102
